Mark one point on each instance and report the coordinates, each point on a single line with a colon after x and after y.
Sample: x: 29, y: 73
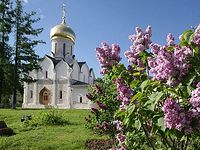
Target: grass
x: 67, y: 137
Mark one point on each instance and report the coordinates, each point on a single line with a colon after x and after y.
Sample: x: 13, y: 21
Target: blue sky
x: 113, y: 21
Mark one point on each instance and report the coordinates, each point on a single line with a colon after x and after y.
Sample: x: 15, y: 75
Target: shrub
x: 53, y: 117
x: 47, y: 118
x: 156, y: 96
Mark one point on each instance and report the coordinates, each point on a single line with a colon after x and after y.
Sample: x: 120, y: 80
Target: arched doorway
x: 44, y: 96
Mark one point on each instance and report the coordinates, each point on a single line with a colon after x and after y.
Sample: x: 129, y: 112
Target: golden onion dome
x: 62, y: 31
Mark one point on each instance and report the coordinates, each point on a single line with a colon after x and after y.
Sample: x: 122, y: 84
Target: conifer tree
x: 6, y: 14
x: 25, y: 58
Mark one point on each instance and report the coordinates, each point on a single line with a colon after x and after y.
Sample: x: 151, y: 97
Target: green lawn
x: 68, y: 137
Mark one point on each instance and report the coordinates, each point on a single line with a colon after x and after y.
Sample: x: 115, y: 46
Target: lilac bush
x: 155, y: 102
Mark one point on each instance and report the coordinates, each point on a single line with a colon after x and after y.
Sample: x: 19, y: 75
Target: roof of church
x: 91, y: 69
x: 81, y: 64
x: 76, y: 82
x: 55, y: 62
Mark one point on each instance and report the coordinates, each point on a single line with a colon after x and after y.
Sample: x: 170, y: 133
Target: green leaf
x: 170, y: 48
x: 184, y: 138
x: 171, y: 91
x: 136, y: 74
x: 144, y: 84
x: 131, y: 109
x: 137, y: 124
x: 153, y: 100
x: 183, y: 43
x: 161, y: 123
x: 136, y: 96
x: 189, y: 78
x: 134, y: 83
x: 119, y: 113
x: 187, y: 35
x: 195, y: 49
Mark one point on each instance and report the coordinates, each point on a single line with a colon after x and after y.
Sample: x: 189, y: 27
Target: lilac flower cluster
x: 169, y: 66
x: 120, y: 136
x: 141, y: 41
x: 101, y: 105
x: 118, y: 125
x: 108, y: 56
x: 121, y: 139
x: 170, y: 40
x: 196, y: 38
x: 125, y: 93
x: 105, y: 125
x: 195, y: 98
x: 175, y: 117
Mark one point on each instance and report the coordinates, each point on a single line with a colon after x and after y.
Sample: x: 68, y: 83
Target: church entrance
x: 44, y: 96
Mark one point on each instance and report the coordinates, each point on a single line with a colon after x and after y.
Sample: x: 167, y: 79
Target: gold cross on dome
x: 63, y: 13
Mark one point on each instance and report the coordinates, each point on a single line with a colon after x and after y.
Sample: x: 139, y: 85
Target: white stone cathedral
x: 62, y: 81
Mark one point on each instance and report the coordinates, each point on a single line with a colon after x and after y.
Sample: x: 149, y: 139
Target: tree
x: 25, y: 58
x: 6, y: 14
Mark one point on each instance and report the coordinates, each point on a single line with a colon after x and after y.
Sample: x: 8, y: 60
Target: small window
x: 60, y: 94
x: 31, y: 94
x: 46, y: 74
x: 71, y: 50
x: 64, y: 50
x: 81, y: 99
x: 55, y: 47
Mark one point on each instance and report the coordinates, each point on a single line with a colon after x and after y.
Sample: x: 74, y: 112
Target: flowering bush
x: 156, y: 98
x: 103, y: 95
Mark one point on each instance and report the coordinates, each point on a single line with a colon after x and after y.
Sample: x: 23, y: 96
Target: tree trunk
x: 14, y: 102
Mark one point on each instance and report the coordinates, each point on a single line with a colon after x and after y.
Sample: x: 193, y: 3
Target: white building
x: 62, y: 81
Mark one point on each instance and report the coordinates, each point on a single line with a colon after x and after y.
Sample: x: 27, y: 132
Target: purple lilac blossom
x: 118, y: 125
x: 105, y: 125
x: 195, y: 98
x: 101, y: 105
x: 140, y: 43
x: 169, y: 66
x: 124, y: 93
x: 196, y: 38
x: 107, y: 56
x: 121, y: 138
x: 89, y: 96
x: 174, y: 115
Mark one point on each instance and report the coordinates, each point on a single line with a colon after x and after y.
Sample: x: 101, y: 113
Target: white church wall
x: 58, y: 47
x: 33, y: 74
x: 47, y: 67
x: 30, y: 93
x: 79, y: 99
x: 84, y: 77
x: 61, y: 94
x: 76, y: 71
x: 62, y: 70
